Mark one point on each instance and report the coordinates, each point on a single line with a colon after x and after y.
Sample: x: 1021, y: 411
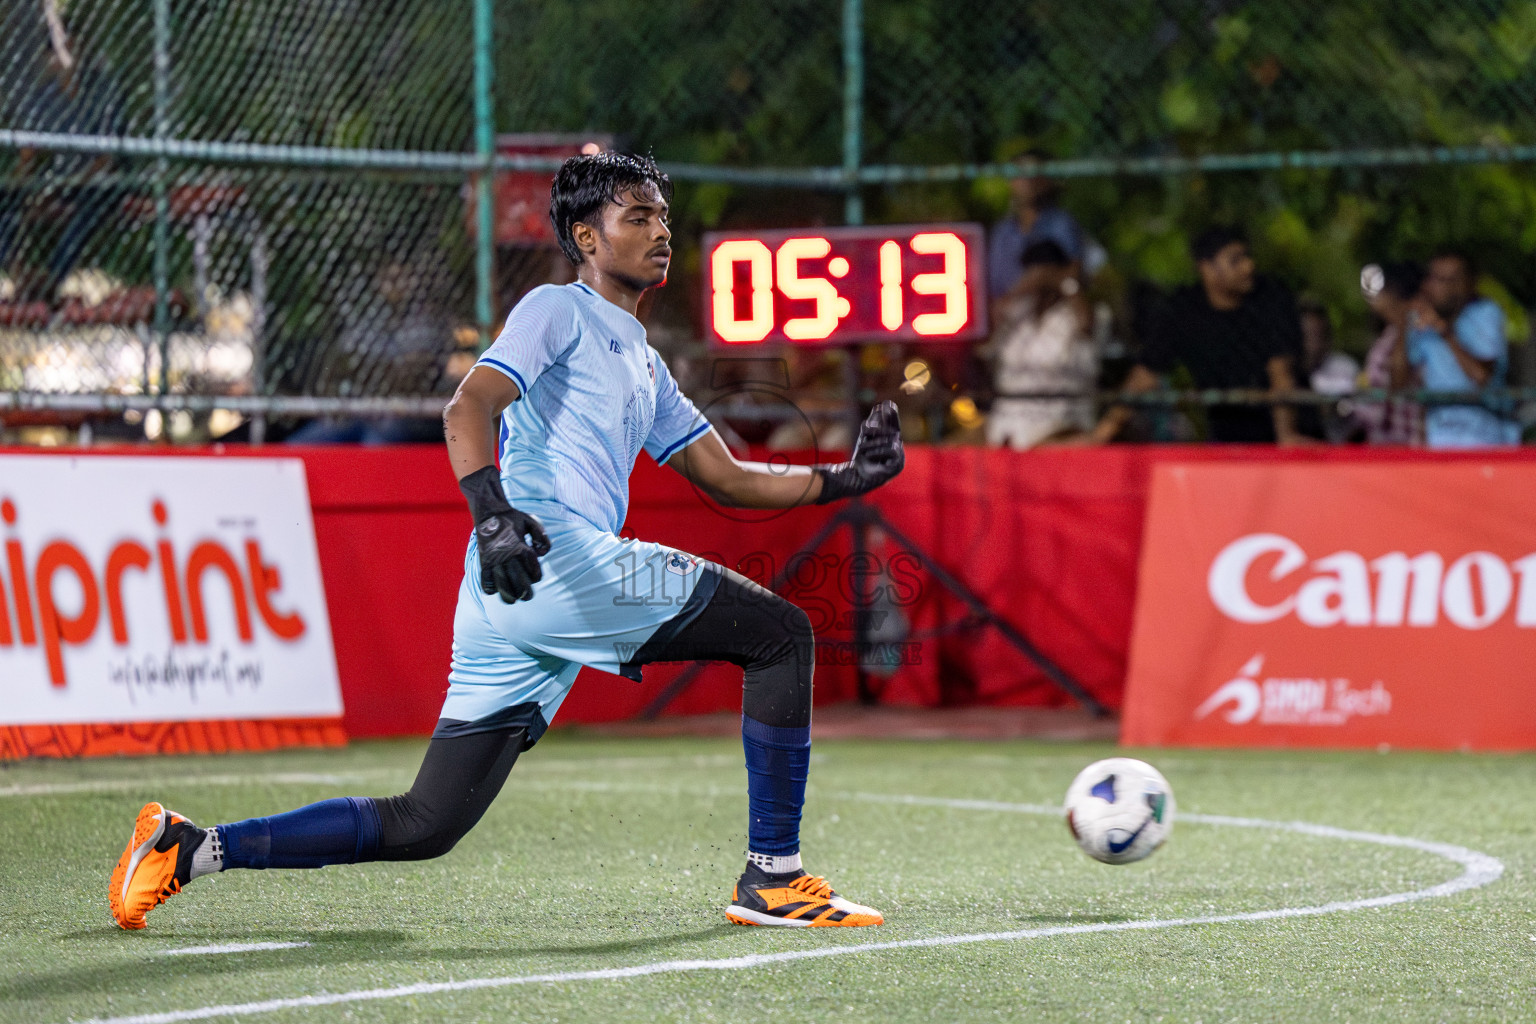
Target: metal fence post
x: 260, y: 263
x: 162, y: 240
x: 853, y: 108
x: 485, y: 149
x: 853, y: 146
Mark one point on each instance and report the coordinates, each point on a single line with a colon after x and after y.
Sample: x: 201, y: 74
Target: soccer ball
x: 1119, y: 810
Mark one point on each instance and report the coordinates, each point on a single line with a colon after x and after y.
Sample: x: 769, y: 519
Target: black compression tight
x: 458, y: 779
x: 770, y: 638
x: 743, y: 624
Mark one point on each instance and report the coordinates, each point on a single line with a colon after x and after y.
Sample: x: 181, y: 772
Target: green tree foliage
x: 713, y: 81
x: 1128, y: 78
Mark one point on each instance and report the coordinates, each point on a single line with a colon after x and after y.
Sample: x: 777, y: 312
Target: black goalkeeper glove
x: 509, y: 564
x: 877, y: 456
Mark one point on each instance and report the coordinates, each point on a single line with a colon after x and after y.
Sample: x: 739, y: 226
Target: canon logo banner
x: 160, y: 589
x: 1473, y: 591
x: 1337, y: 604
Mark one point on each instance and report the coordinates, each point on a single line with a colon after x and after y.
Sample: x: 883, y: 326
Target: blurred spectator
x: 397, y: 340
x: 1042, y: 344
x: 1457, y: 342
x: 1327, y: 372
x: 1034, y: 216
x: 817, y: 394
x: 60, y: 199
x: 1232, y: 330
x: 1389, y: 290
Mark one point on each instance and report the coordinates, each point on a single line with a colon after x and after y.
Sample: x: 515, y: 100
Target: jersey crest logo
x: 639, y: 414
x: 613, y: 345
x: 652, y: 367
x: 679, y: 563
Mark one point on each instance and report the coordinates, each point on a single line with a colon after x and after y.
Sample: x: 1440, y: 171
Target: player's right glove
x: 877, y: 457
x: 510, y: 541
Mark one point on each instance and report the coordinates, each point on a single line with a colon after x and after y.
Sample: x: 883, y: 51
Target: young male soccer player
x: 577, y: 392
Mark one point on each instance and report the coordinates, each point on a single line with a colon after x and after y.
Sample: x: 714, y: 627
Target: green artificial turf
x: 607, y: 853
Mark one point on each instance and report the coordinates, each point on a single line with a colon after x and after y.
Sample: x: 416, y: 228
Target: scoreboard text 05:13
x: 820, y: 286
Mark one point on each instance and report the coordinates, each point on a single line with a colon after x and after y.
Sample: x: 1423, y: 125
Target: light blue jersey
x: 1480, y: 329
x: 594, y: 392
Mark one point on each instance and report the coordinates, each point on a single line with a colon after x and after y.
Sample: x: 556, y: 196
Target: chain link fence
x: 282, y: 200
x: 130, y: 267
x: 1242, y: 83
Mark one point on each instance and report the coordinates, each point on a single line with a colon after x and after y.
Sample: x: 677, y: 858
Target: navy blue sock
x: 778, y: 761
x: 345, y: 830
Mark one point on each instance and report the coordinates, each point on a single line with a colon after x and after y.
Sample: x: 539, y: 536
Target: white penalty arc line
x: 1480, y: 870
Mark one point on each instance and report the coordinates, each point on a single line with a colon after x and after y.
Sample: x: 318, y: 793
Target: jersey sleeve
x: 1416, y: 346
x: 540, y: 328
x: 1480, y: 329
x: 678, y: 422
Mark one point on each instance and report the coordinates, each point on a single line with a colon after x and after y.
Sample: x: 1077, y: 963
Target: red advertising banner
x: 1336, y: 606
x: 160, y: 605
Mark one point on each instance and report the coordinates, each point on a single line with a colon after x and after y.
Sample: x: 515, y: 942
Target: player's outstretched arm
x: 511, y: 542
x: 877, y: 457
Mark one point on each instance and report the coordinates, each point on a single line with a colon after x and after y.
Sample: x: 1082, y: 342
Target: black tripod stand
x: 861, y: 517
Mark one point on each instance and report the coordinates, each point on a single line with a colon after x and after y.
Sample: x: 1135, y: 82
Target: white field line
x: 1480, y: 870
x: 116, y: 785
x: 339, y: 778
x: 232, y: 947
x: 535, y: 766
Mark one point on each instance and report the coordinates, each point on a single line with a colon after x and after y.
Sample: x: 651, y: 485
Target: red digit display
x: 829, y: 286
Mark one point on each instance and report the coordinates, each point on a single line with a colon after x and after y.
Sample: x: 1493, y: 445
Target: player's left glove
x: 511, y: 542
x: 877, y: 457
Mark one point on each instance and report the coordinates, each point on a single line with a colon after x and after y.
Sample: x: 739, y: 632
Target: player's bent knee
x: 412, y: 831
x: 793, y: 637
x: 426, y: 848
x: 776, y: 689
x: 798, y: 624
x: 766, y: 628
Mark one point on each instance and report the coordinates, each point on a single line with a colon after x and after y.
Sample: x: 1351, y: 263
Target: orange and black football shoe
x: 794, y: 901
x: 155, y: 865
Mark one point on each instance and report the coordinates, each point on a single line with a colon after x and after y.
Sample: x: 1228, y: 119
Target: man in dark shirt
x: 1232, y: 330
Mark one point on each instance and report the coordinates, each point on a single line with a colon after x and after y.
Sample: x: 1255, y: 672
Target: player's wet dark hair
x: 585, y: 184
x: 1214, y: 239
x: 1046, y: 253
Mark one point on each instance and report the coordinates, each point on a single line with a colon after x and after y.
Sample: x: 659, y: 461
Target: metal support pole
x: 260, y: 262
x: 853, y: 199
x: 853, y: 108
x: 862, y: 599
x: 853, y: 383
x: 485, y: 149
x: 162, y: 238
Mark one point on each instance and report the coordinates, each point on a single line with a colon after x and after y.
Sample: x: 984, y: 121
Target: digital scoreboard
x: 828, y: 286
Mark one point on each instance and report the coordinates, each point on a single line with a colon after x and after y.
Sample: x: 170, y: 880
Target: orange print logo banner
x: 1336, y: 606
x: 158, y: 590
